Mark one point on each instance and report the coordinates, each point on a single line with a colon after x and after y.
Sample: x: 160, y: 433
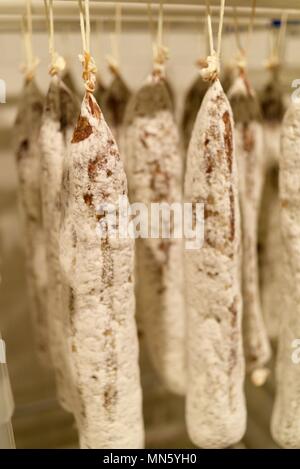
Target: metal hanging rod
x: 280, y: 4
x: 265, y: 8
x: 11, y: 25
x: 188, y: 14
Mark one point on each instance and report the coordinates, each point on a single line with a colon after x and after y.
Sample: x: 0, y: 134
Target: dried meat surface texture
x: 99, y: 270
x: 215, y: 406
x: 28, y: 160
x: 154, y: 168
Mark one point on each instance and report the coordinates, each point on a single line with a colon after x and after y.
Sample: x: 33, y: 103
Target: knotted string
x: 274, y: 61
x: 210, y: 68
x: 241, y: 59
x: 89, y: 69
x: 58, y: 63
x: 114, y: 59
x: 251, y: 25
x: 29, y: 68
x: 160, y: 52
x: 151, y: 22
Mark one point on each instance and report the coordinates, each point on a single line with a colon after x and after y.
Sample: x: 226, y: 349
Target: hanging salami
x: 215, y: 401
x: 154, y: 166
x: 98, y: 269
x: 270, y: 244
x: 151, y: 145
x: 115, y: 100
x: 215, y: 407
x: 285, y: 418
x: 249, y: 151
x: 58, y: 118
x: 192, y: 103
x: 27, y: 132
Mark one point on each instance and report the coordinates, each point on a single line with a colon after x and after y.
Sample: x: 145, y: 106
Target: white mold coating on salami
x: 154, y: 166
x: 54, y: 132
x: 215, y: 409
x: 193, y: 100
x: 286, y: 413
x: 270, y: 243
x: 270, y: 248
x: 115, y: 99
x: 27, y: 131
x: 99, y: 271
x: 249, y: 151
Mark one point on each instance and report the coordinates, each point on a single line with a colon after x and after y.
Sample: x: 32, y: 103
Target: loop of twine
x: 251, y: 24
x: 241, y: 58
x: 58, y: 63
x: 31, y: 62
x: 273, y: 63
x: 113, y: 65
x: 210, y: 68
x: 160, y: 52
x: 89, y: 71
x: 206, y: 38
x: 151, y: 22
x: 113, y: 59
x: 89, y: 68
x: 161, y: 55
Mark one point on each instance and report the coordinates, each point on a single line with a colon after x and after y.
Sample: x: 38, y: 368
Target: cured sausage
x: 98, y: 270
x: 249, y: 151
x: 27, y: 131
x: 215, y: 408
x: 58, y: 118
x: 286, y: 415
x: 154, y: 168
x: 270, y: 244
x: 192, y: 104
x: 115, y: 100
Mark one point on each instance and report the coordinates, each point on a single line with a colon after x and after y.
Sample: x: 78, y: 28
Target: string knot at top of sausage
x: 89, y: 71
x: 241, y: 60
x: 29, y: 70
x: 58, y: 64
x: 273, y: 63
x: 210, y: 68
x: 160, y: 56
x: 113, y: 65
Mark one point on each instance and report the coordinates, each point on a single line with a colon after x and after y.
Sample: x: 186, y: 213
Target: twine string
x: 57, y: 63
x: 277, y: 46
x: 209, y: 28
x: 114, y: 58
x: 251, y: 24
x: 241, y: 60
x: 31, y: 62
x: 151, y: 22
x: 160, y: 52
x: 210, y: 68
x: 89, y: 69
x: 221, y: 21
